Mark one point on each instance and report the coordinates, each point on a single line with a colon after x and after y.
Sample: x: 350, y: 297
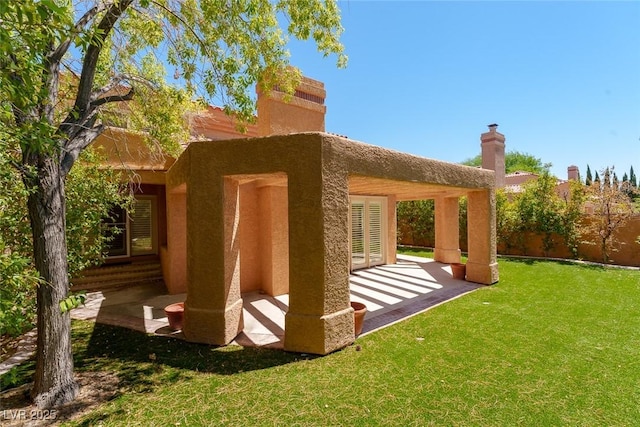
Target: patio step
x: 116, y: 276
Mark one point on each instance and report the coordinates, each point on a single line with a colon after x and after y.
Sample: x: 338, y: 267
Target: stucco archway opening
x: 264, y: 255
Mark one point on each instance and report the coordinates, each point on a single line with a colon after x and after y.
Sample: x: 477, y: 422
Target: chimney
x: 573, y: 174
x: 492, y: 144
x: 303, y: 112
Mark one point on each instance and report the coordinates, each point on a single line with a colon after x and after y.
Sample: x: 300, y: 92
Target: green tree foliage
x: 611, y: 209
x: 507, y: 222
x: 540, y: 209
x: 91, y: 192
x: 65, y: 65
x: 416, y: 218
x: 589, y: 179
x: 571, y: 215
x: 632, y: 178
x: 515, y: 161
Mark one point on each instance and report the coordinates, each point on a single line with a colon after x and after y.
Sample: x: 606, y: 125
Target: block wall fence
x: 627, y: 254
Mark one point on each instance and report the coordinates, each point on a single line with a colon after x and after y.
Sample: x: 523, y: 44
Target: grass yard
x: 551, y: 344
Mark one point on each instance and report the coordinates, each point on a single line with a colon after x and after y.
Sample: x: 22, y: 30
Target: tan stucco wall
x: 321, y: 171
x: 273, y: 236
x: 627, y: 251
x: 447, y: 247
x: 174, y: 254
x: 264, y: 237
x: 249, y: 229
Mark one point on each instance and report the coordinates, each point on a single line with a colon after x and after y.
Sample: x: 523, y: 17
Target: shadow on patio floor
x: 390, y: 292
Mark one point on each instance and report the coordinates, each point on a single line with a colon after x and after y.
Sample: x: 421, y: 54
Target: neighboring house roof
x: 214, y: 124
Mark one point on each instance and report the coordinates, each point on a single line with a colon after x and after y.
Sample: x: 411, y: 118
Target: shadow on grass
x: 534, y: 261
x: 140, y: 360
x: 107, y: 344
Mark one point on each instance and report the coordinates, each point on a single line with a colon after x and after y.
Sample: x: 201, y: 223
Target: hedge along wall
x: 529, y: 244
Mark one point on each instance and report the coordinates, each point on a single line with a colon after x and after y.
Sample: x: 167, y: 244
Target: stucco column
x: 482, y: 265
x: 175, y: 265
x: 274, y: 239
x: 213, y: 310
x: 392, y: 230
x: 320, y: 318
x: 447, y: 247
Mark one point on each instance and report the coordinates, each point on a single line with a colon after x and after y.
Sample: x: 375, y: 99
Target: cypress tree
x: 632, y: 178
x: 597, y: 178
x: 589, y: 179
x: 607, y: 178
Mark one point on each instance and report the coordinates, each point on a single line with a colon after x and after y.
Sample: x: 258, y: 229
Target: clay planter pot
x: 358, y: 316
x: 175, y: 314
x: 459, y: 270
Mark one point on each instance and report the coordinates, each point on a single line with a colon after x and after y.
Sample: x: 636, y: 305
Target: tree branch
x: 82, y: 115
x: 57, y: 54
x: 87, y: 76
x: 113, y: 98
x: 115, y: 81
x: 79, y: 142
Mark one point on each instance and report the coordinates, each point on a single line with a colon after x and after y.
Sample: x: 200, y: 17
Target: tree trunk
x: 54, y: 382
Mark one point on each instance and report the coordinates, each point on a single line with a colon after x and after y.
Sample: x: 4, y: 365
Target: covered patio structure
x: 274, y: 215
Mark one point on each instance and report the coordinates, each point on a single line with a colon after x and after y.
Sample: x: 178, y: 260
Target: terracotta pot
x: 359, y: 310
x: 459, y: 270
x: 175, y: 314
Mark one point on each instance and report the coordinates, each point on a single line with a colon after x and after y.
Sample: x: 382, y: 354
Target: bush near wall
x: 529, y: 244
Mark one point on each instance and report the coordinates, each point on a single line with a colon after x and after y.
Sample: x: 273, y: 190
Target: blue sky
x: 562, y: 79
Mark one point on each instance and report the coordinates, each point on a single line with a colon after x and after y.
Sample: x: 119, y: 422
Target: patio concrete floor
x: 391, y: 293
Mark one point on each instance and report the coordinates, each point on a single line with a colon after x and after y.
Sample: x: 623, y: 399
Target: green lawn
x: 550, y: 344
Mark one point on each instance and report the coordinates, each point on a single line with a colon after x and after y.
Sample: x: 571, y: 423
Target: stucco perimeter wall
x: 321, y: 170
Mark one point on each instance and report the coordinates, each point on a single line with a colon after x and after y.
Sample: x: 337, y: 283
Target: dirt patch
x: 96, y: 388
x: 8, y: 346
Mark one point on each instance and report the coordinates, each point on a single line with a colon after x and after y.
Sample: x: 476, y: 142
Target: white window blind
x: 375, y: 233
x: 367, y: 232
x: 141, y: 227
x: 358, y: 259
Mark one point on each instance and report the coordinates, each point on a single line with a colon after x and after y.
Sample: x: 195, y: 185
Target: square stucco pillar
x: 175, y: 264
x: 392, y: 230
x: 213, y: 310
x: 447, y: 247
x: 320, y: 318
x: 274, y: 239
x: 482, y: 265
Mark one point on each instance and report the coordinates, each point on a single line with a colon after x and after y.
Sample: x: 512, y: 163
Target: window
x: 142, y: 226
x: 133, y: 233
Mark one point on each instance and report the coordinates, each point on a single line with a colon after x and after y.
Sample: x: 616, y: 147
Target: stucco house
x: 288, y: 208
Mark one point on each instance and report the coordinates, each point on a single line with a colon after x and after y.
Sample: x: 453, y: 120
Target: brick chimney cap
x: 493, y: 126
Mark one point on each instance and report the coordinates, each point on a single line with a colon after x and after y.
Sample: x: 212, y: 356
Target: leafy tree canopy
x: 515, y: 161
x: 66, y: 65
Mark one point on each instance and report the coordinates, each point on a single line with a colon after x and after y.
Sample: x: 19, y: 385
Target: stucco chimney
x: 304, y: 112
x: 573, y: 173
x: 492, y: 144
